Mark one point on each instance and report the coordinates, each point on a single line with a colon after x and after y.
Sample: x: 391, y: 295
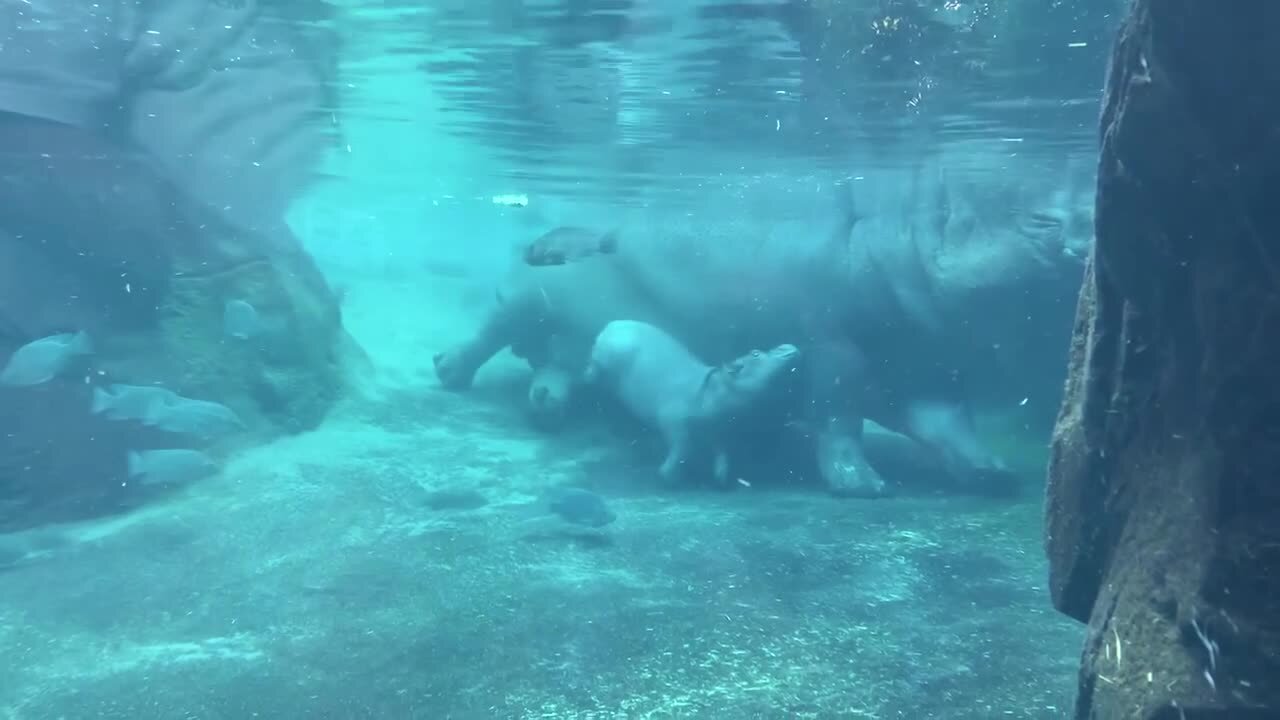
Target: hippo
x: 692, y: 404
x: 898, y: 313
x: 550, y: 316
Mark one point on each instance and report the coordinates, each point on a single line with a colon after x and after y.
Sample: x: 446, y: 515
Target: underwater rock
x: 1163, y: 510
x: 100, y: 241
x: 240, y: 320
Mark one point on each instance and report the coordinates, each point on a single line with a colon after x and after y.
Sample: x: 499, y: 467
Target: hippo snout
x: 546, y: 410
x: 786, y: 352
x: 544, y: 399
x: 782, y: 357
x: 550, y: 393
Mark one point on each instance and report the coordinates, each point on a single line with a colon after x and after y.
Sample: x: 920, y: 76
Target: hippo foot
x: 720, y: 470
x: 668, y: 472
x: 996, y: 481
x: 854, y: 480
x: 673, y: 473
x: 845, y: 469
x: 451, y: 372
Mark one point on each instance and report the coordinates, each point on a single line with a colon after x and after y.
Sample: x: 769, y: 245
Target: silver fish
x: 193, y: 417
x: 170, y: 466
x: 130, y: 402
x: 40, y: 361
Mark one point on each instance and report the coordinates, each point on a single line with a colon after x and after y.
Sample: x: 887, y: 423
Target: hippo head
x: 750, y: 378
x: 550, y: 392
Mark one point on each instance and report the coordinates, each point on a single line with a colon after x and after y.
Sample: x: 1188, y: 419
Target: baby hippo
x: 691, y: 403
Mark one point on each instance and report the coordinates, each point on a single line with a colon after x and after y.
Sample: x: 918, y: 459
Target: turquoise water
x: 374, y: 545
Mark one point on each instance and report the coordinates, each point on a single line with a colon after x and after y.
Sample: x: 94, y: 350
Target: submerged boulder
x: 96, y: 239
x: 146, y: 162
x: 1163, y: 508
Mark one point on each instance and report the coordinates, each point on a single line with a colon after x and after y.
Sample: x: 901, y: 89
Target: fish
x: 170, y: 466
x: 130, y: 402
x: 40, y: 361
x: 580, y: 507
x: 192, y: 417
x: 240, y: 320
x: 568, y: 244
x: 164, y: 409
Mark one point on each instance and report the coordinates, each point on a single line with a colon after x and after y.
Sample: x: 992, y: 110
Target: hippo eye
x: 755, y: 353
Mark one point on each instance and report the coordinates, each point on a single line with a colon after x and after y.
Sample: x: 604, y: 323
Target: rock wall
x: 1163, y: 508
x: 94, y: 239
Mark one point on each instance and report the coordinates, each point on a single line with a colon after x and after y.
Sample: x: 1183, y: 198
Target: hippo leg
x: 513, y: 321
x: 947, y: 428
x: 677, y: 437
x: 453, y: 369
x: 836, y: 377
x: 842, y: 460
x: 558, y: 361
x: 721, y: 467
x: 457, y: 366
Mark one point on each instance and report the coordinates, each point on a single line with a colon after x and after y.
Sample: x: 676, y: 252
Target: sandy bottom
x: 397, y: 563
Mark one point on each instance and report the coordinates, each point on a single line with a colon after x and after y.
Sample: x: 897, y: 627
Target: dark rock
x: 95, y: 237
x: 142, y: 189
x: 1163, y: 509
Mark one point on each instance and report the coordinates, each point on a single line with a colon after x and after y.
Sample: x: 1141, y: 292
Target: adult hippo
x: 895, y: 309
